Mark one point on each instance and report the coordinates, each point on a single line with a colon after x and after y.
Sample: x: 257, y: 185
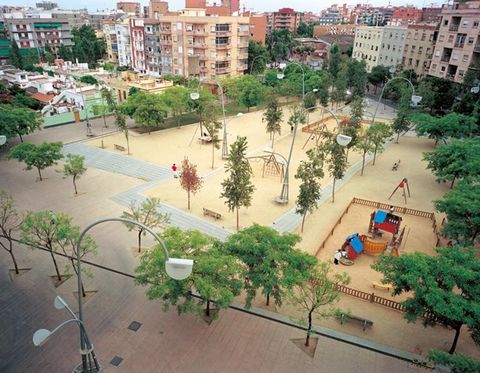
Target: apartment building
x: 123, y: 43
x: 152, y: 47
x: 137, y: 43
x: 457, y: 48
x: 406, y: 15
x: 157, y: 8
x: 379, y: 45
x: 258, y: 26
x: 193, y: 44
x: 5, y: 44
x: 418, y: 50
x: 130, y: 7
x: 111, y: 46
x: 37, y: 32
x: 285, y: 18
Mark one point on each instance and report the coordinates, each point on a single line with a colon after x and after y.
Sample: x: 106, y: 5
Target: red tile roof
x: 42, y: 97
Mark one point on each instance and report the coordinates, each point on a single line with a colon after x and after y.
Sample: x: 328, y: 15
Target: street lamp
x: 281, y: 76
x: 342, y: 140
x: 178, y: 269
x: 472, y: 90
x: 253, y: 62
x: 3, y: 140
x: 415, y: 98
x: 88, y: 355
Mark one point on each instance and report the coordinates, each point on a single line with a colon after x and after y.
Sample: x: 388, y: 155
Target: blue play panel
x: 380, y: 216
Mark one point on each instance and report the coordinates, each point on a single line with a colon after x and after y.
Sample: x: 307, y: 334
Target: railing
x: 453, y: 28
x: 242, y: 67
x: 458, y: 45
x: 222, y: 70
x: 223, y: 46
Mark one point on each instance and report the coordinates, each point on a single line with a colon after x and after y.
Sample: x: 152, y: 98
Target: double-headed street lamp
x: 178, y: 269
x: 342, y: 140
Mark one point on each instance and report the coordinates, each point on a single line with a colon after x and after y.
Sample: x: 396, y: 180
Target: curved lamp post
x: 342, y: 140
x: 253, y: 62
x: 281, y: 76
x: 415, y: 99
x: 178, y: 269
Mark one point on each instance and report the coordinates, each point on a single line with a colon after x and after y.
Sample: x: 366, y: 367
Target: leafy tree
x: 48, y: 54
x: 426, y: 90
x: 462, y: 207
x: 310, y: 172
x: 147, y: 109
x: 176, y: 98
x: 22, y: 100
x: 365, y: 146
x: 357, y: 77
x: 456, y: 160
x: 258, y: 56
x: 214, y: 276
x: 189, y: 179
x: 457, y: 363
x: 310, y: 100
x: 335, y: 158
x: 440, y: 128
x: 378, y: 133
x: 146, y: 213
x: 206, y: 108
x: 357, y: 108
x: 107, y: 106
x: 10, y: 222
x: 437, y: 94
x: 89, y: 79
x: 323, y: 92
x: 86, y: 46
x: 402, y: 121
x: 18, y: 121
x: 271, y: 261
x: 297, y: 116
x: 238, y: 187
x: 38, y: 156
x: 250, y: 91
x: 280, y: 43
x: 133, y: 90
x: 444, y: 287
x: 15, y: 57
x: 334, y: 60
x: 270, y: 79
x: 273, y: 117
x: 121, y: 123
x: 213, y: 128
x: 318, y: 295
x: 74, y: 167
x: 339, y: 90
x: 378, y: 76
x: 65, y: 53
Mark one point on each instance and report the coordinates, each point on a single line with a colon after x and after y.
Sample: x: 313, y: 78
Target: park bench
x: 342, y: 317
x: 119, y: 147
x: 205, y: 139
x: 379, y: 285
x: 211, y: 213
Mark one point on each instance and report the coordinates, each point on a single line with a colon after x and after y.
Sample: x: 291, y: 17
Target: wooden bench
x: 379, y: 285
x: 119, y: 147
x: 211, y: 213
x: 345, y: 317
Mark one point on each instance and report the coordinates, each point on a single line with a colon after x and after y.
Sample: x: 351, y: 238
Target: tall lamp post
x: 253, y: 62
x: 341, y: 139
x: 283, y: 66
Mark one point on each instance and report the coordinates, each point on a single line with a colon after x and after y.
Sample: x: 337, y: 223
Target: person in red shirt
x: 174, y: 169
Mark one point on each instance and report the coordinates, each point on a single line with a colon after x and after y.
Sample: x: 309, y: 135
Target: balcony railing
x: 476, y: 48
x: 458, y: 45
x: 445, y: 59
x: 453, y: 28
x: 223, y: 33
x: 165, y: 42
x: 165, y: 31
x: 223, y: 46
x: 222, y: 70
x: 242, y: 67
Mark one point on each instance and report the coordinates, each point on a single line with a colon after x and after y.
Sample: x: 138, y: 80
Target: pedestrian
x: 337, y: 257
x: 344, y: 253
x: 174, y: 169
x: 291, y: 129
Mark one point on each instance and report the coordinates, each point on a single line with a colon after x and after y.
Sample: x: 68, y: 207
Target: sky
x: 257, y: 5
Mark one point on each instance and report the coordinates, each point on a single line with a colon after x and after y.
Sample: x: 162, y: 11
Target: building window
x: 470, y: 40
x: 450, y: 38
x: 475, y: 24
x: 465, y: 24
x: 465, y: 58
x: 445, y: 22
x: 442, y: 68
x: 441, y: 38
x: 434, y: 67
x: 461, y: 73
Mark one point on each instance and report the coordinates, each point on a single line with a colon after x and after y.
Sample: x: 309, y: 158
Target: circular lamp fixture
x: 416, y: 99
x: 3, y: 140
x: 343, y: 140
x: 282, y: 65
x: 392, y: 70
x: 178, y: 269
x: 472, y: 90
x: 280, y: 76
x: 40, y: 336
x: 194, y: 96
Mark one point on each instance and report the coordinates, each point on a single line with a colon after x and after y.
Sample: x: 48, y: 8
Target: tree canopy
x: 273, y: 117
x: 258, y: 57
x: 86, y: 46
x: 18, y: 121
x: 441, y: 128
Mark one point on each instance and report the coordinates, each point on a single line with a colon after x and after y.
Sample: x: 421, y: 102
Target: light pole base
x: 79, y: 369
x: 281, y: 201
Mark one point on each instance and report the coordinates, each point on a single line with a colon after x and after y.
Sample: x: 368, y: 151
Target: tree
x: 55, y: 232
x: 176, y: 98
x: 378, y: 133
x: 86, y: 46
x: 462, y: 207
x: 440, y: 128
x: 310, y: 172
x: 251, y: 91
x: 65, y: 53
x: 214, y: 276
x: 402, y: 121
x: 365, y: 146
x: 335, y: 158
x: 146, y: 213
x: 444, y: 288
x: 238, y: 187
x: 456, y: 160
x: 334, y: 60
x: 457, y: 363
x: 280, y: 43
x: 378, y: 76
x: 339, y: 90
x: 323, y: 92
x: 38, y: 156
x: 48, y: 54
x: 18, y: 121
x: 108, y: 104
x: 133, y: 91
x: 426, y: 90
x: 258, y: 56
x: 319, y: 291
x: 74, y: 167
x: 16, y: 58
x: 273, y: 117
x: 147, y: 109
x: 310, y: 100
x: 189, y: 179
x: 357, y: 77
x: 213, y: 128
x: 271, y: 261
x: 438, y: 95
x: 121, y: 123
x: 10, y: 222
x: 89, y: 79
x: 24, y: 101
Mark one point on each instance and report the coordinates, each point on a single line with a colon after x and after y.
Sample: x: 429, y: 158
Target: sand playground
x: 173, y: 145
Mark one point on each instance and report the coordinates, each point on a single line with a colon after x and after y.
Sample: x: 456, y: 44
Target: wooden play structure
x: 272, y: 165
x: 315, y: 129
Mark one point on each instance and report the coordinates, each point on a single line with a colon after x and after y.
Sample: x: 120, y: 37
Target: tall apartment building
x: 418, y: 50
x: 137, y: 43
x: 152, y: 47
x: 111, y: 46
x: 406, y: 15
x: 37, y: 32
x: 258, y: 26
x: 76, y: 18
x: 46, y: 5
x: 379, y: 45
x: 457, y: 49
x: 5, y: 44
x: 285, y: 18
x: 123, y: 43
x: 157, y: 8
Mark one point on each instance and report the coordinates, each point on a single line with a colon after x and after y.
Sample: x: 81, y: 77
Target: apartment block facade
x: 137, y: 43
x: 285, y: 18
x: 123, y: 43
x: 457, y: 48
x: 152, y: 47
x: 418, y: 50
x: 379, y: 45
x: 111, y: 45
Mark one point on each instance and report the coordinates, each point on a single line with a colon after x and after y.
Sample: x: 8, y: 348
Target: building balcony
x: 200, y: 46
x: 165, y: 42
x: 458, y: 45
x: 453, y: 28
x: 223, y: 46
x: 223, y: 33
x: 243, y: 44
x: 243, y: 33
x: 242, y: 67
x: 445, y: 59
x: 223, y: 58
x: 476, y: 48
x: 165, y: 31
x: 243, y: 56
x: 222, y: 70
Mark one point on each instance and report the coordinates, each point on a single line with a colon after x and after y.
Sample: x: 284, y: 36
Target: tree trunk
x: 56, y: 266
x: 363, y: 162
x: 188, y: 193
x: 213, y: 154
x: 398, y: 136
x: 128, y: 143
x: 13, y: 256
x: 268, y: 299
x: 309, y: 330
x: 39, y: 174
x: 140, y: 240
x: 105, y: 121
x: 453, y: 182
x: 84, y: 294
x: 238, y: 225
x: 374, y: 155
x: 303, y: 221
x: 333, y: 190
x: 21, y: 138
x: 74, y: 184
x: 474, y: 237
x: 346, y: 154
x: 207, y: 311
x: 455, y: 340
x: 273, y: 138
